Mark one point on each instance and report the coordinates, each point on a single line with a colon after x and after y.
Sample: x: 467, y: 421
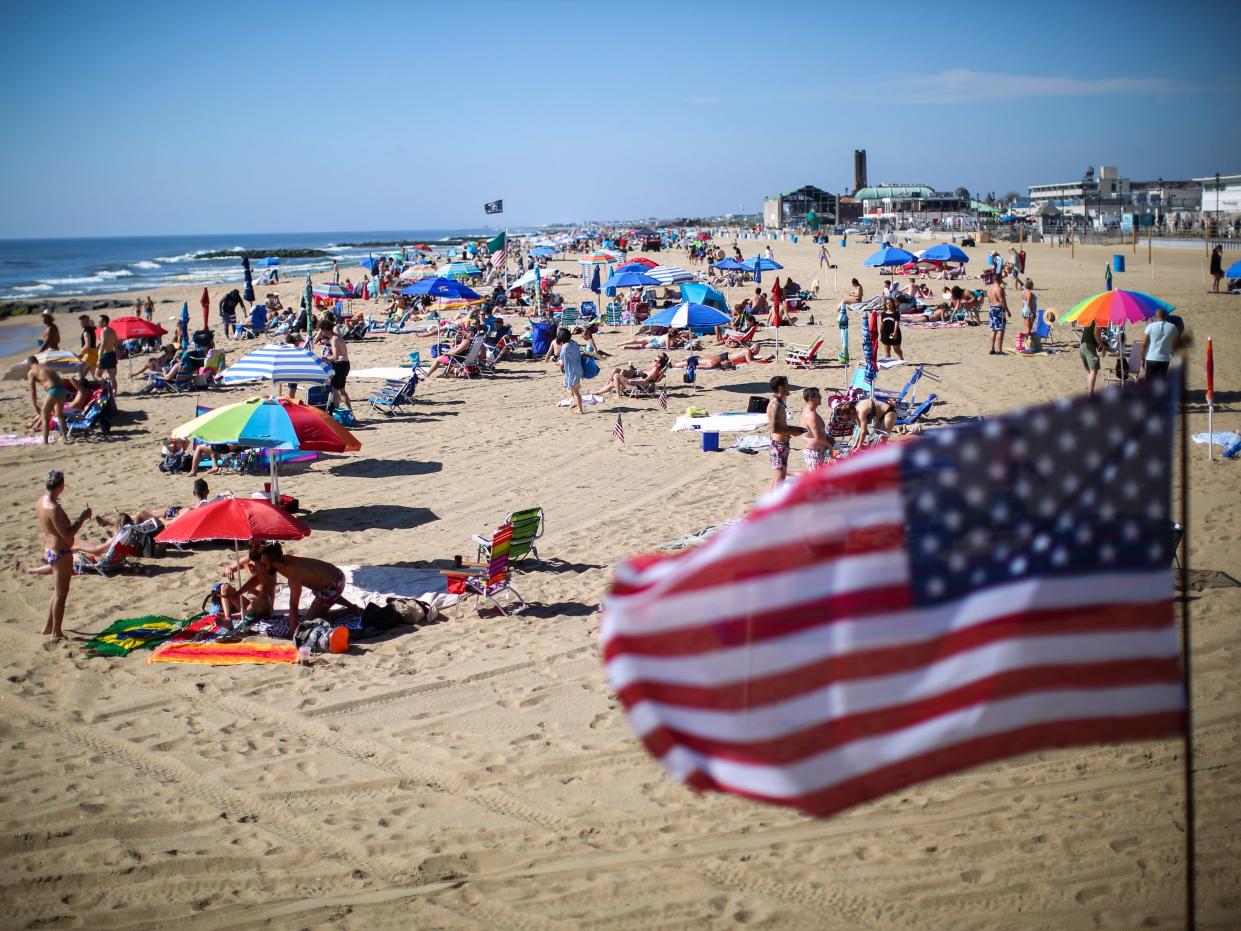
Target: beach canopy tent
x: 620, y: 279
x: 888, y: 257
x: 688, y: 315
x: 701, y: 293
x: 943, y: 252
x: 442, y: 287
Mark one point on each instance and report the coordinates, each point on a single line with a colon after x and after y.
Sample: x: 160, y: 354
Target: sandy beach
x: 479, y: 772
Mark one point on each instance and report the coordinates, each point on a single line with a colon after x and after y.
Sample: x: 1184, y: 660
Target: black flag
x: 495, y: 206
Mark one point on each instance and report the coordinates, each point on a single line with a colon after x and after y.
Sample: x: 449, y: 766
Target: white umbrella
x: 669, y: 274
x: 279, y: 363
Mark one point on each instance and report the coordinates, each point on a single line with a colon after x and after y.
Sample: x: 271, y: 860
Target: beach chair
x: 394, y: 394
x: 804, y: 357
x: 841, y: 423
x: 125, y: 545
x: 614, y: 314
x: 467, y: 365
x: 645, y: 388
x: 588, y: 311
x: 488, y: 580
x: 319, y: 396
x: 741, y: 339
x: 569, y: 317
x: 528, y: 526
x: 916, y: 412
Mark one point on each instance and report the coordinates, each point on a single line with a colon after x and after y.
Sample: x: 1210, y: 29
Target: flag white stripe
x: 815, y: 522
x: 848, y: 635
x: 857, y: 696
x: 859, y: 757
x: 661, y: 613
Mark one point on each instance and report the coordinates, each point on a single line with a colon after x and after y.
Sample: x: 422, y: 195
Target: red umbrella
x: 421, y: 247
x: 134, y: 328
x: 206, y: 302
x: 642, y: 261
x: 777, y: 297
x: 233, y: 519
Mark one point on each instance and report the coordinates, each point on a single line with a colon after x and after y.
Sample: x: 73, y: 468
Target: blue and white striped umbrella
x: 279, y: 363
x: 688, y: 314
x: 669, y: 274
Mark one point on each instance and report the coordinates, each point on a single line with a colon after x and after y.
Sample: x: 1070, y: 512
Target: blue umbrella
x: 758, y: 264
x: 370, y: 263
x: 270, y: 261
x: 701, y: 293
x: 1234, y: 270
x: 688, y: 314
x: 542, y: 250
x: 619, y: 279
x: 185, y: 324
x: 594, y: 281
x: 442, y: 287
x: 944, y: 252
x: 889, y: 256
x: 731, y: 265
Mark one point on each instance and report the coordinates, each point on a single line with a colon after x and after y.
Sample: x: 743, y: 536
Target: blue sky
x: 131, y: 118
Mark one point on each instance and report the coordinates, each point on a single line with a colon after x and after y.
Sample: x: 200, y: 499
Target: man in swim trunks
x: 256, y: 597
x: 326, y: 581
x: 51, y: 333
x: 57, y: 395
x: 997, y: 314
x: 89, y: 353
x: 817, y: 442
x: 781, y: 431
x: 108, y: 346
x: 58, y: 536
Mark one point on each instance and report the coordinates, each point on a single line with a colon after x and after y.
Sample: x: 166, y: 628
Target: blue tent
x: 889, y: 256
x: 701, y: 293
x: 944, y: 252
x: 442, y: 287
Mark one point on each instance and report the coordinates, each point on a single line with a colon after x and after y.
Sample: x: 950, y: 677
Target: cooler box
x: 710, y: 442
x: 1118, y: 263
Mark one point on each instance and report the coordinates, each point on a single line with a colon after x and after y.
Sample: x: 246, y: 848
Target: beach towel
x: 365, y: 584
x: 891, y: 363
x: 135, y: 633
x: 586, y: 399
x: 12, y: 439
x: 215, y: 653
x: 722, y: 423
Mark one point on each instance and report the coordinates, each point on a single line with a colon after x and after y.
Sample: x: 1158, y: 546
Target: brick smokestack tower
x: 859, y: 169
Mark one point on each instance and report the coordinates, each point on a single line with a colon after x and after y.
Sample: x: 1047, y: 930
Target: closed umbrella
x: 248, y: 293
x: 185, y: 324
x: 205, y: 301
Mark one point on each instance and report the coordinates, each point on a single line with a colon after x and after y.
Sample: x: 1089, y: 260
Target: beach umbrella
x: 542, y: 251
x: 270, y: 261
x: 185, y: 324
x: 620, y: 279
x: 594, y: 281
x: 669, y: 274
x: 730, y: 264
x: 777, y: 298
x: 701, y: 293
x: 309, y: 300
x: 370, y: 263
x: 279, y: 363
x: 58, y: 360
x: 1234, y: 270
x: 602, y: 257
x: 870, y: 365
x: 462, y: 269
x: 439, y: 286
x: 271, y: 423
x: 640, y: 260
x: 331, y: 290
x: 1108, y: 308
x: 233, y: 519
x: 888, y: 257
x: 134, y: 328
x: 688, y: 315
x: 248, y: 293
x: 944, y: 252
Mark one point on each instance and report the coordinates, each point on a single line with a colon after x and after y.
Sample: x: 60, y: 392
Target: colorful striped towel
x: 214, y: 653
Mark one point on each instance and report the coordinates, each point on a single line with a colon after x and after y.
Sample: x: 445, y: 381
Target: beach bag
x: 174, y: 463
x: 590, y: 368
x: 757, y: 405
x: 344, y: 417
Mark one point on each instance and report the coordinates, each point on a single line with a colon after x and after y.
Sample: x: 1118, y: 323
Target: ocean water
x: 34, y: 268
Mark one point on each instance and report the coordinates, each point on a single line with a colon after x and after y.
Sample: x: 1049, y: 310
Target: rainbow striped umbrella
x: 1116, y: 307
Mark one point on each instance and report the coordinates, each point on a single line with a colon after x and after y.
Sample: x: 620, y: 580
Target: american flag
x: 663, y: 400
x: 916, y: 609
x: 618, y: 430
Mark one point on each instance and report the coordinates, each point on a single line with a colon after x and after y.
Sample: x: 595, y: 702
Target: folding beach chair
x: 569, y: 316
x: 588, y: 311
x: 125, y: 545
x: 645, y: 388
x: 528, y: 526
x: 916, y: 412
x: 489, y: 580
x: 803, y: 357
x: 741, y: 339
x: 394, y: 394
x: 467, y: 365
x: 614, y: 314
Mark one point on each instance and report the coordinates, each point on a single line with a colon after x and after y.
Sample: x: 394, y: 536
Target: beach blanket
x: 383, y: 374
x: 134, y: 633
x: 376, y: 584
x: 721, y: 423
x: 891, y: 363
x: 586, y: 399
x: 931, y: 324
x: 12, y: 439
x: 215, y: 653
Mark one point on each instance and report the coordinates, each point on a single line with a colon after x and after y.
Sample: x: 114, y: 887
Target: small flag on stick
x: 663, y: 400
x: 618, y: 431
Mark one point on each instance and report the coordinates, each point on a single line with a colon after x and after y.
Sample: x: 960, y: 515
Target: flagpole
x: 1187, y: 725
x: 1210, y: 401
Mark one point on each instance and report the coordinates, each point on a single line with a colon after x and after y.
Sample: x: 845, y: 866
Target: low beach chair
x: 488, y: 580
x: 125, y: 545
x: 803, y: 357
x: 917, y: 412
x: 645, y: 388
x: 394, y: 394
x: 741, y: 339
x: 569, y: 316
x: 467, y: 365
x: 614, y: 314
x: 528, y: 526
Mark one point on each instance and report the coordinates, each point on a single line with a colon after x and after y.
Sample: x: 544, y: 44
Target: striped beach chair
x: 490, y: 580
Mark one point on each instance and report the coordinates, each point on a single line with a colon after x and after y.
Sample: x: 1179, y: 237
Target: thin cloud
x: 960, y: 85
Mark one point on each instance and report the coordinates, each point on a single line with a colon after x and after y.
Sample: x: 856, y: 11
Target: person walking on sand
x: 335, y: 352
x: 569, y: 358
x: 53, y: 403
x: 824, y: 258
x: 148, y: 309
x: 58, y: 536
x: 781, y: 431
x: 1217, y: 267
x: 997, y: 314
x: 50, y: 339
x: 1088, y: 349
x: 1029, y: 308
x: 811, y: 421
x: 109, y: 345
x: 89, y: 352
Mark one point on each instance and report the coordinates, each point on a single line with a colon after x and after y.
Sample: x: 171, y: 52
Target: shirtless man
x: 57, y: 395
x: 256, y: 596
x: 108, y: 346
x: 781, y: 431
x: 817, y: 441
x: 58, y: 536
x: 997, y: 314
x: 873, y: 409
x: 335, y: 352
x: 325, y: 580
x: 725, y: 360
x: 51, y: 334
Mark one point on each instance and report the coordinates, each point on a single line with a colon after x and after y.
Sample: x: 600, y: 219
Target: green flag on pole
x: 495, y: 245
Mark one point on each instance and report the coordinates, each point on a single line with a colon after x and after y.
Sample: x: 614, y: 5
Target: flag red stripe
x: 757, y: 564
x: 845, y: 666
x: 956, y: 757
x: 765, y: 626
x: 843, y: 729
x: 834, y: 481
